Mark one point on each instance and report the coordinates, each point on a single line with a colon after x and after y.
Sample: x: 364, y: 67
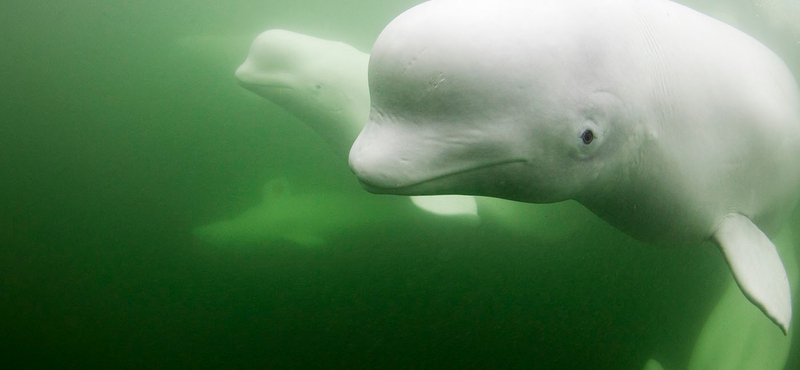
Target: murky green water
x: 124, y: 129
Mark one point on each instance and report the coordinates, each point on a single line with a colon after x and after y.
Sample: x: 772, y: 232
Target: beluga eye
x: 587, y: 136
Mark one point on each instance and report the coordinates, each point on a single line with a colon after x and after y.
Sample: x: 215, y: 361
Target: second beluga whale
x: 324, y: 84
x: 670, y: 125
x: 309, y: 218
x: 321, y: 82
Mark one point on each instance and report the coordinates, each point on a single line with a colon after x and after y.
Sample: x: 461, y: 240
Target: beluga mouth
x: 249, y: 77
x: 454, y: 182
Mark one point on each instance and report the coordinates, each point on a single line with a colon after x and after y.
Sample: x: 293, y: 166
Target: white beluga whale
x: 310, y: 218
x: 670, y: 125
x: 324, y: 84
x: 321, y: 82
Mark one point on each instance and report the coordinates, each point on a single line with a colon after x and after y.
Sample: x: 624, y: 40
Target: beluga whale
x: 321, y: 82
x: 324, y: 84
x: 312, y: 218
x: 673, y: 127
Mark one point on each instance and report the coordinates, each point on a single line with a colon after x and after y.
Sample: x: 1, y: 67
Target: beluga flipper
x: 756, y: 266
x: 735, y: 337
x: 672, y: 126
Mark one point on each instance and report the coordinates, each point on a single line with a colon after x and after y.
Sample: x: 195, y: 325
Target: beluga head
x: 462, y: 106
x: 321, y: 82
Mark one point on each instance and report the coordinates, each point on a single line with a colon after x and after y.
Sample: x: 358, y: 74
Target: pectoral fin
x: 447, y: 205
x: 756, y: 266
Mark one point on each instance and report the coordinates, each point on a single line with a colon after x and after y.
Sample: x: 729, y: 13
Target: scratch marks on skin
x: 433, y: 83
x: 413, y: 61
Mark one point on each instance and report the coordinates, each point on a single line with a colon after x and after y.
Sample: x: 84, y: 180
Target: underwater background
x: 123, y: 129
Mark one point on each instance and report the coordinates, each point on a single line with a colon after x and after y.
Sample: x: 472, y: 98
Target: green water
x: 123, y: 129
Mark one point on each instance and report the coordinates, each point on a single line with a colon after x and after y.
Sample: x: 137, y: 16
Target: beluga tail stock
x: 670, y: 125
